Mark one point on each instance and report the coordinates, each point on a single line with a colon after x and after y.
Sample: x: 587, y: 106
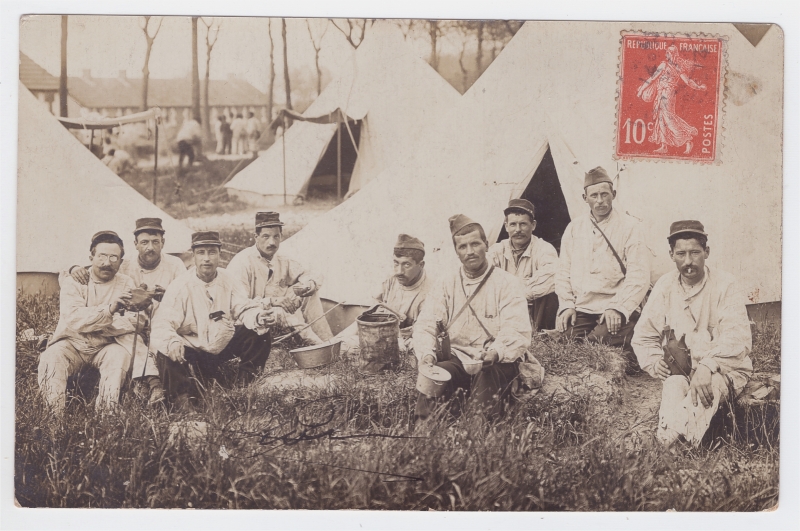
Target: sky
x: 107, y: 44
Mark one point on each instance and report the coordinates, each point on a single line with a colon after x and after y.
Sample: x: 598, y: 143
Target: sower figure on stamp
x: 486, y: 317
x: 403, y: 293
x: 90, y: 329
x: 279, y: 283
x: 530, y: 259
x: 204, y: 320
x: 153, y: 270
x: 603, y: 271
x: 694, y: 334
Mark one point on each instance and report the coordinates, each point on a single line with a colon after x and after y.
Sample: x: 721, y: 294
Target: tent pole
x: 339, y: 159
x: 91, y: 142
x: 155, y: 165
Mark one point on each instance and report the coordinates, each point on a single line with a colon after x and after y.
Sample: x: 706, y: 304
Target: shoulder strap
x: 613, y: 251
x: 469, y: 300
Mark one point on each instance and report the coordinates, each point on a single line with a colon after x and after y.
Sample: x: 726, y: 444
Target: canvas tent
x: 388, y: 95
x: 544, y: 110
x: 64, y: 195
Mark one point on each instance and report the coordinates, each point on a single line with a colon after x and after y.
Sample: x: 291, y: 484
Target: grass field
x: 583, y: 443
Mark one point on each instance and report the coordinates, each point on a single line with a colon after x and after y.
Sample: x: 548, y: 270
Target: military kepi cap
x: 206, y: 237
x: 458, y: 222
x: 596, y: 176
x: 148, y: 224
x: 268, y: 219
x: 404, y: 241
x: 687, y: 225
x: 519, y: 205
x: 106, y: 236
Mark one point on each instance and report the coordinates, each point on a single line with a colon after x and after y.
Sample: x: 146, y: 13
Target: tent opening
x: 323, y: 179
x: 544, y: 191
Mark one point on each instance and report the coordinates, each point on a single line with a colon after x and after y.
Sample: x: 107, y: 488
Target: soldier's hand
x: 304, y: 290
x: 490, y: 357
x: 289, y: 304
x: 613, y: 320
x: 80, y: 274
x: 700, y: 387
x: 428, y: 359
x: 662, y: 370
x: 158, y: 293
x: 119, y: 302
x: 566, y: 319
x: 175, y: 352
x: 266, y: 318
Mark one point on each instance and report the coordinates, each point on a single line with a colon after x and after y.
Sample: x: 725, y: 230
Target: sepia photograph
x: 398, y: 264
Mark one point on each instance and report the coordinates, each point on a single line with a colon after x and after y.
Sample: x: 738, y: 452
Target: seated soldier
x: 153, y: 270
x: 603, y: 271
x: 279, y: 283
x: 486, y: 317
x: 530, y: 259
x: 204, y: 320
x: 90, y: 330
x: 705, y: 311
x: 403, y: 293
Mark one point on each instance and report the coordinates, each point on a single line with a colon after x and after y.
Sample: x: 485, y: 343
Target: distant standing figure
x: 239, y: 134
x: 253, y: 129
x: 227, y: 136
x: 189, y: 139
x: 218, y: 133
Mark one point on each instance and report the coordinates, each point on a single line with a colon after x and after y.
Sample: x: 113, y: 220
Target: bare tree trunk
x: 206, y: 109
x: 206, y: 81
x: 271, y: 93
x: 146, y: 68
x: 317, y: 48
x: 195, y: 74
x: 146, y: 76
x: 62, y: 82
x: 479, y: 56
x: 286, y: 83
x: 434, y: 33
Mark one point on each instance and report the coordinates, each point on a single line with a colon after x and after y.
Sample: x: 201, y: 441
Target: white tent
x: 391, y: 92
x: 64, y: 195
x: 554, y: 87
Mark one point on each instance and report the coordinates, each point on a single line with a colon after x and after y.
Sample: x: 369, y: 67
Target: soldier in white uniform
x: 486, y: 316
x: 152, y: 270
x: 90, y: 329
x: 280, y: 283
x: 703, y: 307
x: 403, y: 293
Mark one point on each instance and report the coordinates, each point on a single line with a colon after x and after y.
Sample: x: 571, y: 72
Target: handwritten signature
x: 272, y: 431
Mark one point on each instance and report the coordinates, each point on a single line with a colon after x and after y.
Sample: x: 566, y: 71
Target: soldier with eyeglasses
x: 91, y: 330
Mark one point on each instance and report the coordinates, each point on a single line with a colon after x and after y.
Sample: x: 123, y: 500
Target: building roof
x: 34, y: 76
x: 127, y: 92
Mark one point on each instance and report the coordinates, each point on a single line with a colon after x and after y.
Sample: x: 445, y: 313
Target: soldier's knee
x: 676, y: 385
x: 116, y: 357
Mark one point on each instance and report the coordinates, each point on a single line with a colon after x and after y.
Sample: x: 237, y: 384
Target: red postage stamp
x: 670, y: 97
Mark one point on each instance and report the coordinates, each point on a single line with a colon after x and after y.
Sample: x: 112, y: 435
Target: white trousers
x: 60, y: 360
x: 678, y: 416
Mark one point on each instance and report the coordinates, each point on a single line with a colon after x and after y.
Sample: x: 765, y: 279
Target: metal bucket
x: 377, y: 340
